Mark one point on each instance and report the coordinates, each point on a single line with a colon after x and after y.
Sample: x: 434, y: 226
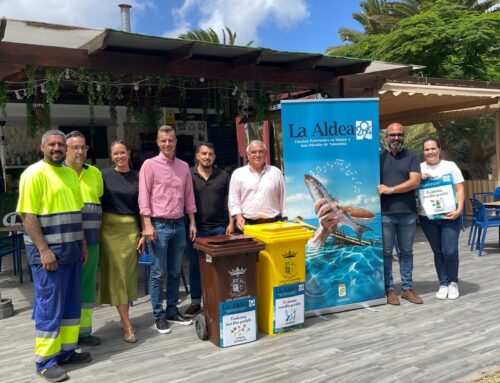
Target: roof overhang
x: 414, y: 103
x: 25, y: 43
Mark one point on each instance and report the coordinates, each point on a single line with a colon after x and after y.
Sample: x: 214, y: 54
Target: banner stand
x: 332, y: 170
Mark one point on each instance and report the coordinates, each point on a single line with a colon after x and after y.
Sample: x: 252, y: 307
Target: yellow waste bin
x: 281, y: 272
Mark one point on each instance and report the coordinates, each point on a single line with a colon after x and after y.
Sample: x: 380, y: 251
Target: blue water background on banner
x: 359, y: 268
x: 336, y: 142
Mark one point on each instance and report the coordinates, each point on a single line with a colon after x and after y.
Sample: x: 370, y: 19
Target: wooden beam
x: 374, y: 80
x: 183, y: 52
x: 145, y: 64
x: 252, y: 58
x: 497, y: 144
x: 305, y: 94
x: 345, y: 70
x: 97, y: 44
x: 334, y: 88
x: 8, y: 70
x: 308, y: 63
x: 358, y: 92
x: 3, y: 25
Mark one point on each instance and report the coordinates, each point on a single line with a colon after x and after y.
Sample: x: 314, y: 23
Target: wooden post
x: 120, y: 129
x: 497, y: 143
x: 2, y: 159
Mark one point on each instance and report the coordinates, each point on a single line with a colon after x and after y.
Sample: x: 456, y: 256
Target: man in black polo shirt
x: 211, y: 186
x: 399, y: 176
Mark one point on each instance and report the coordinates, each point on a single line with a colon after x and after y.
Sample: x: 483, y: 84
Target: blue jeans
x: 442, y: 235
x: 166, y: 257
x: 194, y: 263
x: 400, y: 227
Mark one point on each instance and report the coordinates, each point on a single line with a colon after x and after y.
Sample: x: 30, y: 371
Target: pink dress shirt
x: 165, y: 188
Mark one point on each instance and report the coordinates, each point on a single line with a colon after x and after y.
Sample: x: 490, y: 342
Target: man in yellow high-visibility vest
x: 50, y: 204
x: 91, y: 187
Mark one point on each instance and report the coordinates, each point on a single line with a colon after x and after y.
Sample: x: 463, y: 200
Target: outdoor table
x: 12, y: 229
x: 494, y: 205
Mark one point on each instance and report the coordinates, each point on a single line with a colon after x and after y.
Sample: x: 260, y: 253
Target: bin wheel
x: 201, y: 327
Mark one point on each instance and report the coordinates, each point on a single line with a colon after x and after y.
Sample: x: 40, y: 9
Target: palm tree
x: 375, y: 18
x: 210, y: 36
x: 224, y: 102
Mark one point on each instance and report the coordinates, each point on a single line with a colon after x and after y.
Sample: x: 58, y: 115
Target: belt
x: 257, y: 221
x: 166, y: 220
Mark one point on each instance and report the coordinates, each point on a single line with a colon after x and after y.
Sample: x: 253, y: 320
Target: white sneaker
x: 442, y: 293
x: 453, y: 291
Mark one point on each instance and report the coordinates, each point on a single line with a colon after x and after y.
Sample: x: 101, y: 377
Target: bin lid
x: 278, y: 232
x: 222, y: 245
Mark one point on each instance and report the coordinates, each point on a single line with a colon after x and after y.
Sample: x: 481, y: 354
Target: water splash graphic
x: 339, y: 169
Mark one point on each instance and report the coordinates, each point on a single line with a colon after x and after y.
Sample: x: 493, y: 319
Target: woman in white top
x: 442, y: 234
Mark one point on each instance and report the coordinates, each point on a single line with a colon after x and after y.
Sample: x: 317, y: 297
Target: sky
x: 287, y: 25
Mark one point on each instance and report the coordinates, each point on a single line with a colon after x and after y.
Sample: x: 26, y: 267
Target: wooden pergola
x: 24, y: 44
x: 409, y: 100
x: 128, y: 56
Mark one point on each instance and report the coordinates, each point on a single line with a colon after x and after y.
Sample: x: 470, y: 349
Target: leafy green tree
x: 469, y: 143
x: 448, y: 39
x: 381, y: 16
x: 451, y: 38
x: 407, y: 8
x: 415, y: 136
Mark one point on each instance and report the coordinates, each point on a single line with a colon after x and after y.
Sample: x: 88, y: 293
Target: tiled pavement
x: 439, y: 341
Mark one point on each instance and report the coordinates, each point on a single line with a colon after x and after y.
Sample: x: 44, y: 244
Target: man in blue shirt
x: 399, y: 176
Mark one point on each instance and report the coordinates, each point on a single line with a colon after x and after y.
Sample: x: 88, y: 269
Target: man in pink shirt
x: 257, y: 190
x: 165, y: 195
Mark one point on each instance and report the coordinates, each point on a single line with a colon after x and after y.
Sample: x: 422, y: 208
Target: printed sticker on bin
x: 288, y: 307
x: 238, y: 322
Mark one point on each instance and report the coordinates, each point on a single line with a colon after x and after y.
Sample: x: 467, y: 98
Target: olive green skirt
x: 118, y: 259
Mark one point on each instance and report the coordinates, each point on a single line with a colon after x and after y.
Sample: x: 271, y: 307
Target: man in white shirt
x: 257, y: 190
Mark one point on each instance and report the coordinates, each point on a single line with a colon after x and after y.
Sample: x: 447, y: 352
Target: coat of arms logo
x: 238, y: 282
x: 289, y: 265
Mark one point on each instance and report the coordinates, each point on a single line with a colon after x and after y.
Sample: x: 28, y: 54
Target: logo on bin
x: 290, y: 316
x: 238, y: 282
x: 289, y: 266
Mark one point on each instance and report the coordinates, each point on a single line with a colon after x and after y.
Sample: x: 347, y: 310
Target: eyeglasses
x: 396, y: 135
x: 83, y: 148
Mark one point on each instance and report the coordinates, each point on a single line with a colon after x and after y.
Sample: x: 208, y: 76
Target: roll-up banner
x: 331, y: 161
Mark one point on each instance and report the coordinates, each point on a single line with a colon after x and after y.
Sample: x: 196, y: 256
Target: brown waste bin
x: 228, y: 279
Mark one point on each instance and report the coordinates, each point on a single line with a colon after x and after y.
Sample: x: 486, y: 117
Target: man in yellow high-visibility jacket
x: 91, y: 187
x: 50, y: 204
